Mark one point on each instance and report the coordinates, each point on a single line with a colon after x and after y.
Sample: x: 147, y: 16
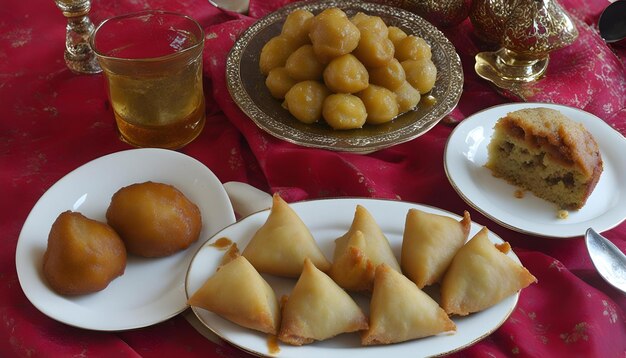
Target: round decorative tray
x: 247, y: 87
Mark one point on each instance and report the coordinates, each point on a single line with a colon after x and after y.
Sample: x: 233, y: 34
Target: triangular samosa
x: 357, y: 253
x: 318, y: 309
x: 429, y: 243
x: 480, y: 276
x: 400, y: 311
x: 351, y: 268
x: 238, y: 293
x: 282, y: 243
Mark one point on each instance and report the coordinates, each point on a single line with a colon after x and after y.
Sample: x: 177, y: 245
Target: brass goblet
x: 527, y: 31
x: 79, y: 56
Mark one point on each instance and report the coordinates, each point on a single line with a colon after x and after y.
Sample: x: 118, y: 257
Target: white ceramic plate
x: 328, y: 219
x: 151, y: 290
x: 466, y: 155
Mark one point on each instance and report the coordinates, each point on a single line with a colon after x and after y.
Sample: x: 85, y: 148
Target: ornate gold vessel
x: 526, y: 31
x: 441, y: 13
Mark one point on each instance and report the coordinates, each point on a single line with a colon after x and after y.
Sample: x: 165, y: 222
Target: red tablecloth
x: 53, y: 121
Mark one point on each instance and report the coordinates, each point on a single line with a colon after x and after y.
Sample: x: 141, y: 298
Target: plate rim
x: 22, y: 265
x: 469, y: 123
x: 407, y: 133
x: 494, y: 237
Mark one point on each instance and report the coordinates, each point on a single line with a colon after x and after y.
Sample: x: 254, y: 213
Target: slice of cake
x: 543, y: 151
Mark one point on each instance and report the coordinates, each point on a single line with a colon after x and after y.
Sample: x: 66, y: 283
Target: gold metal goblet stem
x: 506, y: 65
x: 79, y: 56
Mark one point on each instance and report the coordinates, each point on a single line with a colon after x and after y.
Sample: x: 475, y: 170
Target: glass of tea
x: 152, y: 61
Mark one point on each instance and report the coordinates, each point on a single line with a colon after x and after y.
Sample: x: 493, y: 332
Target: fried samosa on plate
x: 359, y: 251
x: 352, y: 269
x: 400, y: 311
x: 318, y: 309
x: 281, y: 244
x: 429, y: 244
x: 238, y: 293
x: 480, y: 276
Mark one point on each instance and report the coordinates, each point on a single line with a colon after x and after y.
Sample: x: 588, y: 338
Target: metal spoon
x: 612, y: 22
x: 240, y: 6
x: 607, y: 258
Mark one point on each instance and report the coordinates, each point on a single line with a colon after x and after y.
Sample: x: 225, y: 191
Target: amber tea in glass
x: 152, y: 63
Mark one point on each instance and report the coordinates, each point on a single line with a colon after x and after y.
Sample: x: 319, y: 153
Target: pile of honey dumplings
x: 148, y: 219
x: 473, y: 276
x: 348, y: 71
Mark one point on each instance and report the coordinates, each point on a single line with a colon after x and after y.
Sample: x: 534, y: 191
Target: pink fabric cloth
x: 55, y: 121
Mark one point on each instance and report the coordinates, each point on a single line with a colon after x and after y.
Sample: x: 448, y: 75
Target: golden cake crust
x: 568, y: 140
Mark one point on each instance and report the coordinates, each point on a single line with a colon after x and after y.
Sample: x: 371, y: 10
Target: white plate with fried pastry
x: 246, y: 83
x: 328, y: 219
x: 150, y: 290
x: 466, y: 154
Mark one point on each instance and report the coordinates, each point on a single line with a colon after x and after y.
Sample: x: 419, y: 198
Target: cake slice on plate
x: 545, y: 152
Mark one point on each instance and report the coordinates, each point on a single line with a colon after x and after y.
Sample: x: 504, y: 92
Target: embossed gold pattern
x: 489, y: 17
x: 535, y: 28
x: 247, y: 87
x: 444, y: 13
x: 527, y: 31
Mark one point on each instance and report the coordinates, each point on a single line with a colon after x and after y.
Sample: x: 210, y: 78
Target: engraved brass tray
x: 246, y: 83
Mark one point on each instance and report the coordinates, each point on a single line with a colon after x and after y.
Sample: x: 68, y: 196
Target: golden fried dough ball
x: 421, y: 74
x: 275, y: 53
x: 303, y: 65
x: 372, y: 25
x: 374, y: 51
x: 384, y: 67
x: 278, y: 82
x: 83, y: 255
x: 390, y: 76
x: 344, y: 111
x: 395, y: 34
x: 407, y: 96
x: 346, y: 74
x: 305, y: 100
x: 380, y: 103
x: 154, y: 219
x: 333, y: 34
x: 412, y: 48
x: 358, y: 17
x: 296, y: 27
